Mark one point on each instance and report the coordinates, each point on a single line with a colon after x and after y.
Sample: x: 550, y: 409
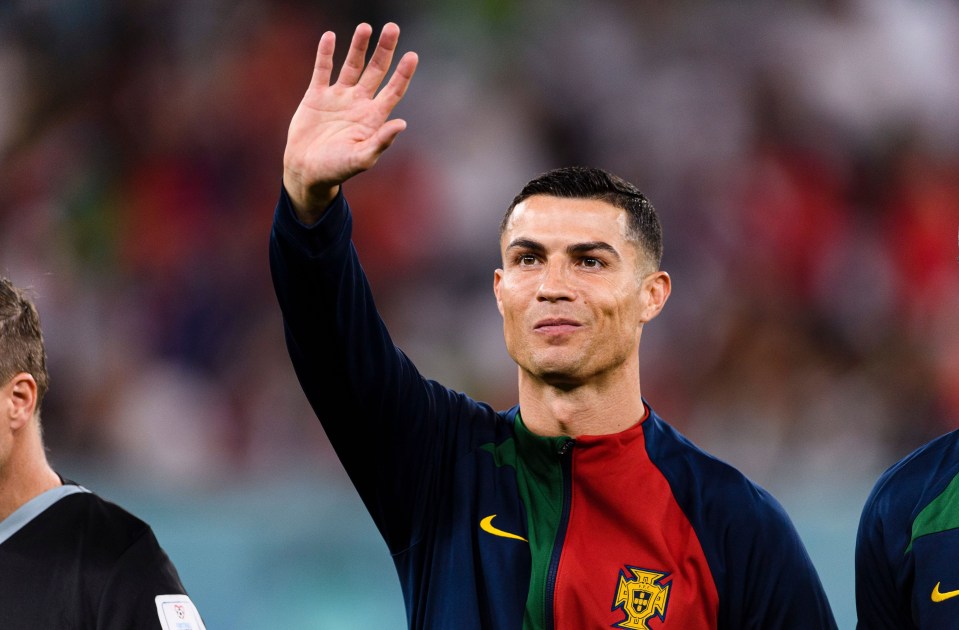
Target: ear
x: 497, y: 280
x: 655, y: 292
x: 20, y: 400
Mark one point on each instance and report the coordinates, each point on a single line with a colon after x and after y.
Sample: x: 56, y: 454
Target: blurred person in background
x: 68, y: 558
x: 907, y: 549
x: 540, y: 518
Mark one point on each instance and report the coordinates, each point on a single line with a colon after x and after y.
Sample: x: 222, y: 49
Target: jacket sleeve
x: 144, y: 592
x: 776, y: 585
x: 388, y: 425
x: 879, y: 602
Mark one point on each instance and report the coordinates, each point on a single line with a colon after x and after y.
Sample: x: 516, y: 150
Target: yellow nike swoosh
x: 941, y: 597
x: 487, y: 526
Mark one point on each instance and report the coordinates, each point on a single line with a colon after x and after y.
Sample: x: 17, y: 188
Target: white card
x: 177, y: 612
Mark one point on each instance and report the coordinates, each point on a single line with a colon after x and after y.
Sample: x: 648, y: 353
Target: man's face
x: 573, y: 291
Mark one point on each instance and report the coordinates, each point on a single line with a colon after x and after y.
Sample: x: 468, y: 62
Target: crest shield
x: 641, y: 596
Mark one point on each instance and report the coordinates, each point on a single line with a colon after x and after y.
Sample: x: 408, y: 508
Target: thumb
x: 383, y: 138
x: 386, y: 134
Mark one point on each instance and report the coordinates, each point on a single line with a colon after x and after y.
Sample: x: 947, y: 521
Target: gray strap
x: 33, y: 508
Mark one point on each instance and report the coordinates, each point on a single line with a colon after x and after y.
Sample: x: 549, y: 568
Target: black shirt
x: 71, y: 560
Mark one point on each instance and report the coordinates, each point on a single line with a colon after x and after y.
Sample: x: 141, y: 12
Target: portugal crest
x: 641, y: 596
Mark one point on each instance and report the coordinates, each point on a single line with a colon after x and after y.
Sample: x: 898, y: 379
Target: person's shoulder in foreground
x: 68, y: 559
x: 907, y: 549
x: 70, y: 555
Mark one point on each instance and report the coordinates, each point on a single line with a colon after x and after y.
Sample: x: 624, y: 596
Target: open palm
x: 341, y: 129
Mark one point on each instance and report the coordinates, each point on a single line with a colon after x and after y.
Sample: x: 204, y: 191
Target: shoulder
x: 926, y: 463
x: 919, y: 476
x: 688, y: 464
x: 715, y: 495
x: 104, y: 527
x: 119, y: 550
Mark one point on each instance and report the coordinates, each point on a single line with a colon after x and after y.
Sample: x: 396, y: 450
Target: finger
x: 382, y: 139
x: 323, y: 68
x: 356, y: 56
x: 382, y: 58
x: 396, y: 87
x: 386, y: 134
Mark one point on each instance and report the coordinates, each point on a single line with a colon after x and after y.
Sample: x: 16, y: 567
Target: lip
x: 556, y: 325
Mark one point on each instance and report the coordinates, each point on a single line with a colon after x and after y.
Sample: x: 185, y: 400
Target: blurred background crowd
x: 804, y: 158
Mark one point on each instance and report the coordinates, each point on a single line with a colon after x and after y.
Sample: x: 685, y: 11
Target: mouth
x: 556, y: 326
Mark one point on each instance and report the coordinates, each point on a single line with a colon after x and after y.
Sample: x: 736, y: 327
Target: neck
x: 600, y: 407
x: 25, y: 473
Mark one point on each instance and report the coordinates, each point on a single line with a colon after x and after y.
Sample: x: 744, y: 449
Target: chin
x: 562, y: 381
x: 558, y: 375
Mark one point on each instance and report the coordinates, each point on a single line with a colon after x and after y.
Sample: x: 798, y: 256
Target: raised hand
x: 341, y: 129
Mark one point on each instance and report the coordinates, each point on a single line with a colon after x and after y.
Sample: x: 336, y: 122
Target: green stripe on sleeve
x: 940, y: 515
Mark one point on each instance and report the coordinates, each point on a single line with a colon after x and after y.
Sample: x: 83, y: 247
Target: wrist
x: 309, y: 202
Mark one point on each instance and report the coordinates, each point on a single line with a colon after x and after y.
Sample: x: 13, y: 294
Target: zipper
x: 565, y: 453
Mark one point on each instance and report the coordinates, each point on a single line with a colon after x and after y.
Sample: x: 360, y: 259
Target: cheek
x: 510, y: 310
x: 625, y: 312
x: 513, y: 298
x: 6, y: 442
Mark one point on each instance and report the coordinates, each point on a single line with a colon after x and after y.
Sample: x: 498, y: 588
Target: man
x: 907, y: 549
x: 68, y: 559
x: 578, y: 508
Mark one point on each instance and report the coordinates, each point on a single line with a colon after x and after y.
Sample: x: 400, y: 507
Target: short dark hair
x: 21, y: 342
x: 581, y: 182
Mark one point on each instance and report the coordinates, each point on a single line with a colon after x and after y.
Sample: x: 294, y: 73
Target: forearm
x: 383, y: 419
x: 360, y: 385
x: 332, y: 325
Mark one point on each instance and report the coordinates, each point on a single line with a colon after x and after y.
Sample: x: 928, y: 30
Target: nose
x: 556, y: 284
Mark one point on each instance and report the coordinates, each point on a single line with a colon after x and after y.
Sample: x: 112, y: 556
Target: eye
x: 591, y: 263
x: 525, y: 260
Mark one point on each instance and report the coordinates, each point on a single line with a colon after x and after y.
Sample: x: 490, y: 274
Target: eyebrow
x: 575, y: 249
x: 525, y: 243
x: 593, y: 246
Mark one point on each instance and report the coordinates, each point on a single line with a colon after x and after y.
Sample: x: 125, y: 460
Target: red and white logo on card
x: 177, y: 612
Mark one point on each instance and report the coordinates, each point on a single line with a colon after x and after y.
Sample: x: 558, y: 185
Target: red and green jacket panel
x: 907, y: 549
x: 491, y: 526
x: 608, y: 541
